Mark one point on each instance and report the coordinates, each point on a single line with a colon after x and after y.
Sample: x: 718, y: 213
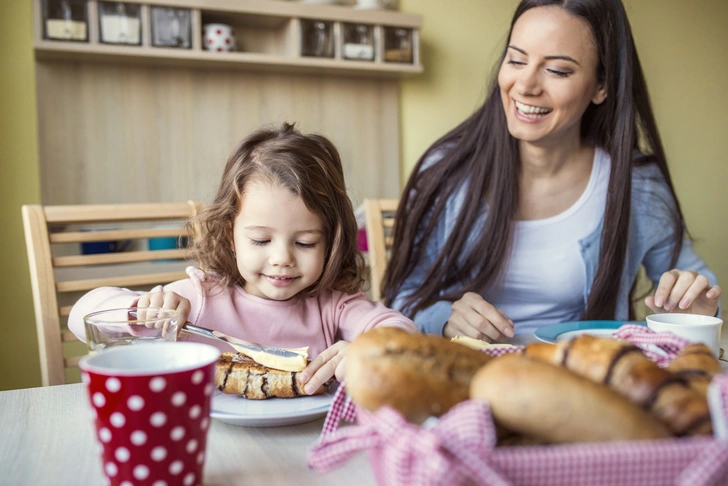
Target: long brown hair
x: 307, y: 165
x: 483, y: 157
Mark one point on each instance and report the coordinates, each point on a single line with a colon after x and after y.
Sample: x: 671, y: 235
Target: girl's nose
x: 281, y: 255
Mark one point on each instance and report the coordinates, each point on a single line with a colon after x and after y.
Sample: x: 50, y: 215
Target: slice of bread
x: 236, y: 374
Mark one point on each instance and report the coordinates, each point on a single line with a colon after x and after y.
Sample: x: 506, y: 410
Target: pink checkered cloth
x: 459, y: 447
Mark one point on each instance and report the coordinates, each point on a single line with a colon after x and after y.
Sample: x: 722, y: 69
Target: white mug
x: 694, y: 327
x: 218, y: 37
x: 367, y: 4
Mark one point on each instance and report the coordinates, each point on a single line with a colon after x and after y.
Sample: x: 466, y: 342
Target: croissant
x: 697, y: 365
x: 624, y: 368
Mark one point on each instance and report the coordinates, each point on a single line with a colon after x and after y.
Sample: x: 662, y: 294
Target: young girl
x: 277, y: 257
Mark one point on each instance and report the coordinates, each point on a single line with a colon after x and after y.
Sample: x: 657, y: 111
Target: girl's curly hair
x: 307, y: 165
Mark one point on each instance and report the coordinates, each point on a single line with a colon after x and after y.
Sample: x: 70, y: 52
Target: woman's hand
x: 167, y: 300
x: 474, y: 317
x: 685, y: 291
x: 327, y: 364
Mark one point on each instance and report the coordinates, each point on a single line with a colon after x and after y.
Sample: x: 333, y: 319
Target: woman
x: 541, y: 206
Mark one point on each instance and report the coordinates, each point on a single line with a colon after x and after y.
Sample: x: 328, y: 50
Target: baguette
x: 624, y: 368
x: 236, y: 374
x: 418, y: 375
x: 547, y: 402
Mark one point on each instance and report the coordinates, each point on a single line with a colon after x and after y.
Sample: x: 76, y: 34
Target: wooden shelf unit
x: 269, y: 32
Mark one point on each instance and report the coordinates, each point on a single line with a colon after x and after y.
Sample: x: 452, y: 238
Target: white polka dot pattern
x: 178, y: 399
x: 117, y: 419
x: 138, y: 437
x: 176, y: 467
x: 141, y: 472
x: 113, y: 385
x: 158, y: 419
x: 152, y: 429
x: 135, y: 403
x: 157, y: 384
x: 122, y: 454
x: 177, y: 433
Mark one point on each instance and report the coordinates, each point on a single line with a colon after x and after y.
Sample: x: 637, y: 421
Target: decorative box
x: 120, y: 23
x: 171, y: 27
x: 65, y: 20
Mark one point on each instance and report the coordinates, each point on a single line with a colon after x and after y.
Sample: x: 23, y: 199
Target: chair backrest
x: 73, y: 249
x: 379, y: 216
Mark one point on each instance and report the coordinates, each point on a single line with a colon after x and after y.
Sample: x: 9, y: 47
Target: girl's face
x: 548, y: 77
x: 279, y: 244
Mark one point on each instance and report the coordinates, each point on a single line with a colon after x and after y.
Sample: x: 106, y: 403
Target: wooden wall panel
x: 124, y: 133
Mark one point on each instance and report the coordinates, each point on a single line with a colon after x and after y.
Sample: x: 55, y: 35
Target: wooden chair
x: 379, y: 220
x: 61, y: 271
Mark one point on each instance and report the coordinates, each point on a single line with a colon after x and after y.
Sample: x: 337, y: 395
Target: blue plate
x: 567, y: 330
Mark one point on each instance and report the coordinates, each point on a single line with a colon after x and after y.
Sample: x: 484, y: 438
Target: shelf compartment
x: 264, y: 34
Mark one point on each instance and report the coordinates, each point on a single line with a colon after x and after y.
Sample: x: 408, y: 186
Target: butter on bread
x: 291, y: 363
x: 478, y: 344
x: 236, y: 374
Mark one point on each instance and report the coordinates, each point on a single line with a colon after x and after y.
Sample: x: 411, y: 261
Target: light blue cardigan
x: 650, y: 244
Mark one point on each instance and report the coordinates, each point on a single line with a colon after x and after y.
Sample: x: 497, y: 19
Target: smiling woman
x: 541, y: 207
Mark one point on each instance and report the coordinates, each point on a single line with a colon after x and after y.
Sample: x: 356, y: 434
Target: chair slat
x: 68, y: 337
x: 72, y: 362
x: 102, y: 213
x: 117, y: 234
x: 64, y: 310
x: 378, y: 239
x: 121, y: 257
x: 123, y: 281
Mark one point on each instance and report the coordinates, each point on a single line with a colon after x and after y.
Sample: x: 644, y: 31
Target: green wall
x: 681, y: 45
x: 19, y: 184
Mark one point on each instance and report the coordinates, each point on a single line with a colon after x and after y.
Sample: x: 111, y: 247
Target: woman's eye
x: 561, y: 74
x: 259, y: 242
x: 306, y: 245
x: 516, y: 63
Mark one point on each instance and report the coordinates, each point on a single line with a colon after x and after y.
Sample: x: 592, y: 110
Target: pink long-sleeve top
x: 316, y: 322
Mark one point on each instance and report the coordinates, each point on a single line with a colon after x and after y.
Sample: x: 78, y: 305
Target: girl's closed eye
x: 306, y: 245
x: 259, y: 242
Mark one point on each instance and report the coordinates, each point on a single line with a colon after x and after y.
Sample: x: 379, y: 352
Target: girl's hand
x: 685, y: 291
x: 472, y: 316
x: 167, y: 300
x: 327, y: 364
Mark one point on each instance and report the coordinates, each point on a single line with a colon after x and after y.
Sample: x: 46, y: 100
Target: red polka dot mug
x: 218, y: 37
x: 151, y: 408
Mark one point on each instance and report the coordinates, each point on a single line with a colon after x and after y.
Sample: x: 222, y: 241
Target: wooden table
x: 47, y: 437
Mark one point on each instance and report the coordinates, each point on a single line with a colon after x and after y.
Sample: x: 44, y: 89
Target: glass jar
x: 171, y: 27
x: 317, y: 38
x: 65, y: 20
x: 358, y: 42
x: 398, y: 44
x: 120, y: 23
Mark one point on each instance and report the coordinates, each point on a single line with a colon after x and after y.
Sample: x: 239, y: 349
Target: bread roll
x: 697, y: 365
x: 550, y: 403
x: 624, y: 368
x: 418, y: 375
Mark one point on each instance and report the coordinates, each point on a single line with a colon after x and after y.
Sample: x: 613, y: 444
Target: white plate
x: 273, y: 412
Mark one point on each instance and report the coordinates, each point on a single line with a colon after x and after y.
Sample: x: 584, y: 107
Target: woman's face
x: 548, y: 77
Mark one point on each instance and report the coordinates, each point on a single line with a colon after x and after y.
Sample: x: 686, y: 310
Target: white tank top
x: 545, y: 276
